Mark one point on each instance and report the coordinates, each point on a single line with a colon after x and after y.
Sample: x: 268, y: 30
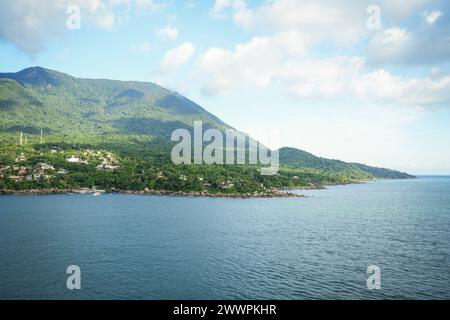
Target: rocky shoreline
x: 276, y: 194
x: 305, y: 188
x: 327, y: 185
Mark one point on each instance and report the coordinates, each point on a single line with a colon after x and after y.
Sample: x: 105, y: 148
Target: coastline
x: 305, y: 188
x: 280, y: 193
x: 325, y: 186
x: 277, y: 194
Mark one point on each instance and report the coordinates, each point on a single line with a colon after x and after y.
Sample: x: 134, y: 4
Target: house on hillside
x: 106, y: 166
x: 45, y: 166
x: 21, y: 158
x: 22, y: 171
x: 5, y: 168
x: 74, y: 159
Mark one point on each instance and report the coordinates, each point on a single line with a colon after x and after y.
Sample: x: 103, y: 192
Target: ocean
x: 162, y: 247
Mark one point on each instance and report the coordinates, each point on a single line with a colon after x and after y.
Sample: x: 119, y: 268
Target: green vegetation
x: 301, y: 159
x: 120, y: 134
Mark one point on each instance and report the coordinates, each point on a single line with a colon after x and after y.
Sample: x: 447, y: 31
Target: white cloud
x: 142, y: 47
x: 342, y: 22
x: 427, y: 45
x: 254, y: 63
x: 168, y: 32
x: 29, y: 24
x: 433, y: 16
x: 264, y: 61
x: 401, y: 9
x: 349, y: 76
x: 321, y: 78
x: 220, y: 8
x: 106, y: 20
x: 178, y: 56
x: 389, y: 45
x: 149, y: 5
x: 382, y: 86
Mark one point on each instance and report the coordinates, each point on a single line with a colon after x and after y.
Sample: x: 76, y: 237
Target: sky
x: 360, y: 81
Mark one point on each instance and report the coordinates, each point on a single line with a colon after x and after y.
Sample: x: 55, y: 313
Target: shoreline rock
x: 327, y: 185
x: 305, y: 188
x: 277, y: 194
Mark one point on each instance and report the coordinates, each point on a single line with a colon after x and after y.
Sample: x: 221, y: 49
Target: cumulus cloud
x: 320, y: 19
x: 168, y: 32
x: 433, y: 16
x: 401, y: 9
x: 254, y: 62
x: 28, y: 24
x: 389, y: 45
x: 321, y: 78
x: 177, y: 57
x: 265, y: 60
x: 427, y: 44
x: 342, y: 22
x: 382, y: 86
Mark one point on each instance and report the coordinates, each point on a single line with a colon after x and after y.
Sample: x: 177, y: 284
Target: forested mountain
x: 134, y: 121
x: 88, y: 110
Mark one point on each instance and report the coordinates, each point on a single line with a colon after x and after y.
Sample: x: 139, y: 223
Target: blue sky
x: 334, y: 78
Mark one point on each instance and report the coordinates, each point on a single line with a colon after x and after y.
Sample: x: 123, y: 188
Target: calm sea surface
x: 148, y: 247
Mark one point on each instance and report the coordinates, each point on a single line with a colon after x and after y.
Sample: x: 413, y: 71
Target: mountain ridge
x: 301, y: 159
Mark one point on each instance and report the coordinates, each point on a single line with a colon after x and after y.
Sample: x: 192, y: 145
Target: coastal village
x: 21, y: 171
x: 60, y: 162
x: 61, y: 168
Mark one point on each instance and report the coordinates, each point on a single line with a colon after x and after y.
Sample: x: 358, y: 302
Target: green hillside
x: 300, y: 159
x: 85, y: 110
x: 120, y: 133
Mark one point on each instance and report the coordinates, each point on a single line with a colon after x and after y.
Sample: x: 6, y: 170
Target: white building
x: 74, y: 159
x: 45, y: 166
